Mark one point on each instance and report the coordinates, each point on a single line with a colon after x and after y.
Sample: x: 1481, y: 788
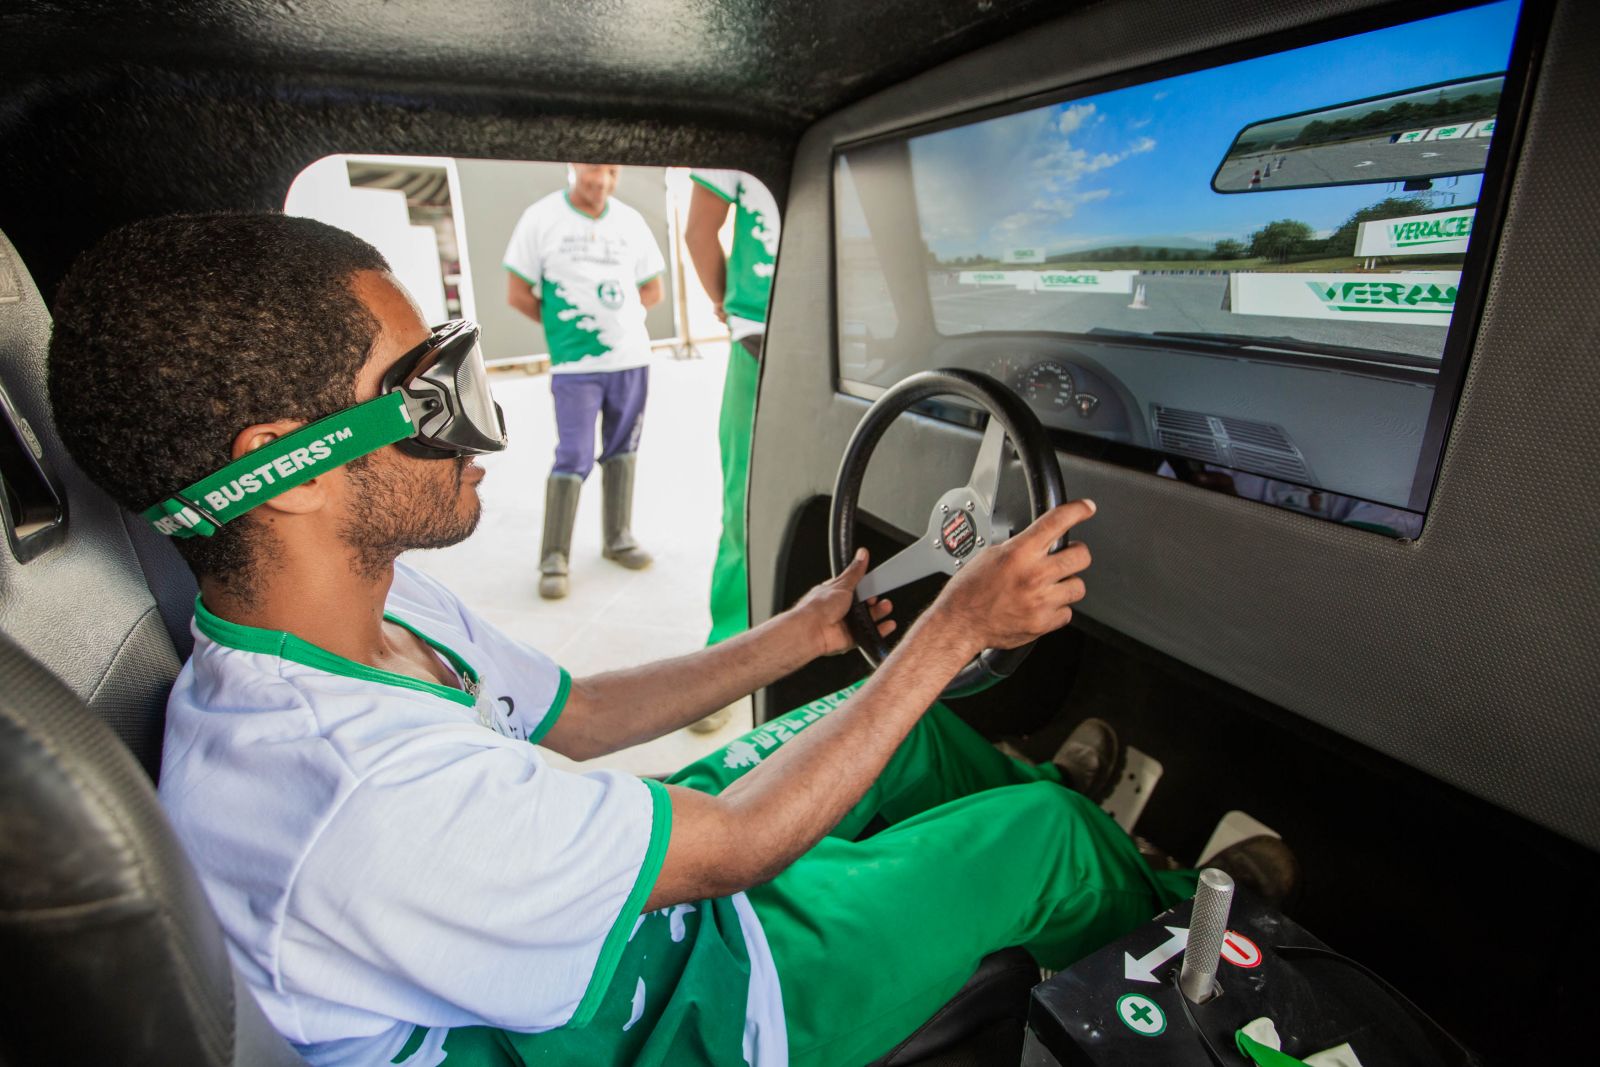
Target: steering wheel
x: 963, y: 520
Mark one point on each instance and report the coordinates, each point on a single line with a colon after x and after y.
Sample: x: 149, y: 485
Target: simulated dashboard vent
x: 1258, y: 447
x: 1257, y: 434
x: 1187, y: 433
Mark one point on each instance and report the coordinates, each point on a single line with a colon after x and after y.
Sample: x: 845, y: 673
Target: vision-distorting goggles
x: 434, y: 404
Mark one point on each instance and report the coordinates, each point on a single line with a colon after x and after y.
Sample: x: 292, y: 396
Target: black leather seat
x: 982, y: 1025
x: 111, y: 952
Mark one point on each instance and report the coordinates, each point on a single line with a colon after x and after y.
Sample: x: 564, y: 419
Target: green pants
x: 869, y: 937
x: 730, y: 605
x: 982, y: 852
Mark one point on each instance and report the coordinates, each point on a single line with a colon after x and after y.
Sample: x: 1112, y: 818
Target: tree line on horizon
x: 1278, y: 241
x: 1284, y: 239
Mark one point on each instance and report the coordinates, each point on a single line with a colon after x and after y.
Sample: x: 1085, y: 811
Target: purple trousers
x: 617, y: 397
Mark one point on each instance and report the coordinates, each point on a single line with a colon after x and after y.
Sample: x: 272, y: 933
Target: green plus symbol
x: 1141, y: 1014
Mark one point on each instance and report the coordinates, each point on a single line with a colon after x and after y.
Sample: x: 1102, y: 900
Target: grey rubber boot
x: 616, y: 486
x: 560, y: 515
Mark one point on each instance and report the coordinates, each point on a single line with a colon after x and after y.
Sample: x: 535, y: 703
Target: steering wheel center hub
x: 959, y: 535
x: 961, y: 524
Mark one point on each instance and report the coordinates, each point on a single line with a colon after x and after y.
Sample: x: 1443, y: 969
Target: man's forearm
x: 521, y: 296
x: 705, y: 252
x: 1009, y: 594
x: 610, y: 711
x: 787, y: 804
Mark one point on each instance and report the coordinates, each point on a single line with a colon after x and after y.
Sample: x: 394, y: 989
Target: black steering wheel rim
x: 1042, y: 474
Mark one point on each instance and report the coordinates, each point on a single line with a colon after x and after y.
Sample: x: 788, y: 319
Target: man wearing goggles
x: 435, y: 404
x: 354, y: 759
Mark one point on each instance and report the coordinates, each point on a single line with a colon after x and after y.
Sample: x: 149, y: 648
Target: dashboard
x: 1249, y: 419
x: 1066, y: 393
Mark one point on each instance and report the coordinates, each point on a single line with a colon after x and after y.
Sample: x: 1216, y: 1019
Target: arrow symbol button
x: 1143, y: 969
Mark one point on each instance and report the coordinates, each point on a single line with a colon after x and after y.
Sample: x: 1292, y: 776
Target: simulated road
x: 1176, y: 302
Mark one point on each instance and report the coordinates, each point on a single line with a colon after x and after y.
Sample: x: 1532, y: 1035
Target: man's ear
x: 304, y: 498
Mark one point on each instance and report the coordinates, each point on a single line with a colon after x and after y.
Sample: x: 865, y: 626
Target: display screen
x: 1244, y: 276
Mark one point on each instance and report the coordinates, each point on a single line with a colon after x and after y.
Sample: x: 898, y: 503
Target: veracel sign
x: 1424, y: 298
x: 1444, y: 233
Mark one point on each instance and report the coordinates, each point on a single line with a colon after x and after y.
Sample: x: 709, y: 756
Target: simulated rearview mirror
x: 1431, y: 132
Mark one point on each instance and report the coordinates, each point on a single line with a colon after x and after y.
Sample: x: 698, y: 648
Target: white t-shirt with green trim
x: 384, y: 851
x: 587, y: 272
x: 754, y: 255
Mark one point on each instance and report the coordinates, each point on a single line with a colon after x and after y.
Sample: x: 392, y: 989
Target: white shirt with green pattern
x: 586, y: 273
x: 392, y: 858
x: 754, y: 254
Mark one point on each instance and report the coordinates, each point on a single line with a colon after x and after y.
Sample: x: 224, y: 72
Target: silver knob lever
x: 1207, y: 924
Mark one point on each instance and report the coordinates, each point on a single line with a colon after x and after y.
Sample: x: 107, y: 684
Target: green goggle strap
x: 202, y: 508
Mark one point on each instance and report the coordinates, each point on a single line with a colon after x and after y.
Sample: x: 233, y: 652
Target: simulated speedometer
x: 1047, y: 386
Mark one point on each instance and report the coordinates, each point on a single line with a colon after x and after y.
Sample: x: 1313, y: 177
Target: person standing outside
x: 740, y: 287
x: 586, y: 267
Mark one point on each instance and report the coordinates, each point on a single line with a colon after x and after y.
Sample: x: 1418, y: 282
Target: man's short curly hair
x: 173, y: 334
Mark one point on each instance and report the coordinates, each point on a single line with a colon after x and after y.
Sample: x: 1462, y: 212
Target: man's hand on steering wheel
x: 1017, y: 591
x: 823, y: 610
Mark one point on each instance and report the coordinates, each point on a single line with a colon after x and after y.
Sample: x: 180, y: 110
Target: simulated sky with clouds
x: 1137, y: 162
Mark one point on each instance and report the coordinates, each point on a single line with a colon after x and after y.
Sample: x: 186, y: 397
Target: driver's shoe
x: 1264, y: 865
x: 616, y: 496
x: 560, y: 514
x: 1091, y: 758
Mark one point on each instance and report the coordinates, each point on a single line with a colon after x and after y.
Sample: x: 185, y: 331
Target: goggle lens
x: 446, y: 386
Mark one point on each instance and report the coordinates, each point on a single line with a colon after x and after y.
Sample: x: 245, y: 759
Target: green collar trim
x: 287, y: 646
x: 567, y: 196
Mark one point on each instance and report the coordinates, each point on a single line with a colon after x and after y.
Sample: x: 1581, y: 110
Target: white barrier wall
x: 1083, y: 281
x: 1480, y: 128
x: 1426, y: 298
x: 1054, y: 281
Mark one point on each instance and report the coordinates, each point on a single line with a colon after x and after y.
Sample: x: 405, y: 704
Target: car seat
x: 112, y: 953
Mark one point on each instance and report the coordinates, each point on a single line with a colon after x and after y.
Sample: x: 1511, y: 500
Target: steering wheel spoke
x: 986, y: 470
x: 921, y: 558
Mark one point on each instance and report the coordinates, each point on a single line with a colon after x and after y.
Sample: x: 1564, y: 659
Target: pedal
x: 1232, y: 828
x: 1132, y: 792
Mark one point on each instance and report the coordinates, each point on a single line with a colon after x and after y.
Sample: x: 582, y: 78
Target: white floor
x: 613, y: 617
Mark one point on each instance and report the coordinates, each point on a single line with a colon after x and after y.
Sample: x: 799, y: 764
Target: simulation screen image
x: 1251, y: 270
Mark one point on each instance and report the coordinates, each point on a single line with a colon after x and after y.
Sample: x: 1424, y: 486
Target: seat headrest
x: 81, y: 605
